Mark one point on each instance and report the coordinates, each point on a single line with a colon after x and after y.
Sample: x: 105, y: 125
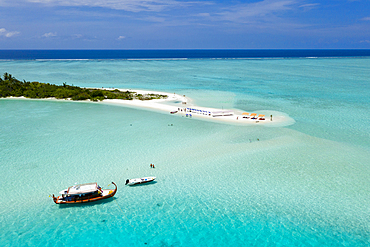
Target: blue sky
x: 175, y: 24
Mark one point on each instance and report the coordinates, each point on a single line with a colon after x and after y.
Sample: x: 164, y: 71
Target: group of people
x: 152, y: 166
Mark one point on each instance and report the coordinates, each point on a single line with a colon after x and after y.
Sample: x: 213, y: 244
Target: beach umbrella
x: 245, y: 113
x: 253, y: 114
x: 261, y: 115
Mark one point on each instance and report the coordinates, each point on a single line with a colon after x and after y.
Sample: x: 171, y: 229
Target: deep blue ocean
x: 218, y: 184
x: 177, y: 54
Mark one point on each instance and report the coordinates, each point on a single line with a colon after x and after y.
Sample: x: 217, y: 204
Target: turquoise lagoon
x: 306, y: 184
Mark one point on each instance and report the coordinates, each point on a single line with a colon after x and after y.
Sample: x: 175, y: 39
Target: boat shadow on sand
x: 88, y: 204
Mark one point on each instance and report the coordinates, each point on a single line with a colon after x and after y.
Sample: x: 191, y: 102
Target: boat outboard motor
x: 127, y: 181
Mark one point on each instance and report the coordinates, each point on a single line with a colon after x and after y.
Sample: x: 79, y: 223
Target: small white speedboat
x: 135, y: 181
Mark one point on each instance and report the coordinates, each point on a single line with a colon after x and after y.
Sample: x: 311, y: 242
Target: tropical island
x: 12, y: 87
x: 172, y: 103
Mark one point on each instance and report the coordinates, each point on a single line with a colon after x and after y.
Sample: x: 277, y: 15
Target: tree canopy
x: 10, y: 86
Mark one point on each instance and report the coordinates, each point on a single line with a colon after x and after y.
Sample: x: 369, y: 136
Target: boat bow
x: 115, y: 190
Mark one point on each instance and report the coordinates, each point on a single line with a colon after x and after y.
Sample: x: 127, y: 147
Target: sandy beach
x: 181, y: 105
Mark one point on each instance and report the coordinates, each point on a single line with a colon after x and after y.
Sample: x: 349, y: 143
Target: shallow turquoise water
x: 328, y: 96
x: 302, y: 185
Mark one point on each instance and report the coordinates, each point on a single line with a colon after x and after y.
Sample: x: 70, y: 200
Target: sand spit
x: 180, y: 105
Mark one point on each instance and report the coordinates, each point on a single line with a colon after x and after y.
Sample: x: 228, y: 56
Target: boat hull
x: 137, y: 181
x: 105, y: 195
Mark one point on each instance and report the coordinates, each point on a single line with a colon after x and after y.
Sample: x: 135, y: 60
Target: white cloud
x: 366, y: 18
x: 309, y: 6
x: 8, y: 34
x: 250, y: 12
x: 203, y: 15
x: 48, y: 35
x: 121, y: 37
x: 128, y: 5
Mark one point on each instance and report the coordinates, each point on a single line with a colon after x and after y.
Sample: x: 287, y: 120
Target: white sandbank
x: 181, y: 103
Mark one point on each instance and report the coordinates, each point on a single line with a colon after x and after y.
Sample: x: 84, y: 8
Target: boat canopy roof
x: 82, y: 188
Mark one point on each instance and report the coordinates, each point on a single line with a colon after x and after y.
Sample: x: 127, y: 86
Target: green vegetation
x: 10, y: 86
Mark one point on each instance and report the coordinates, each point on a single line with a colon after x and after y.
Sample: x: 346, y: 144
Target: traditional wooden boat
x: 135, y: 181
x: 82, y: 193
